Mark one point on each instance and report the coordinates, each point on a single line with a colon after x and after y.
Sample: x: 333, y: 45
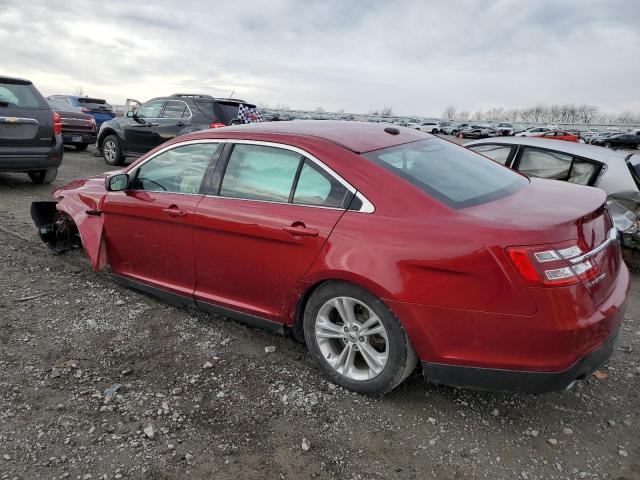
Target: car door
x: 149, y: 227
x: 262, y: 227
x: 174, y: 118
x: 139, y: 133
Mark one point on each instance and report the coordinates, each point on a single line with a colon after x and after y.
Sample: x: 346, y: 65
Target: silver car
x: 615, y: 172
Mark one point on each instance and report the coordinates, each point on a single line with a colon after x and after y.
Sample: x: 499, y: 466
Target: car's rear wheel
x: 434, y: 131
x: 356, y: 339
x: 606, y: 145
x: 81, y: 147
x: 112, y: 151
x: 43, y: 176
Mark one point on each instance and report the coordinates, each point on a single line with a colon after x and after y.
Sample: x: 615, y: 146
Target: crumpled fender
x: 84, y: 209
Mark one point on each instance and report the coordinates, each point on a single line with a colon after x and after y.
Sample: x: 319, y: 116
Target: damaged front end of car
x: 74, y: 220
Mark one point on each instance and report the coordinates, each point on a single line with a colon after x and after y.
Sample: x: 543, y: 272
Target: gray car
x: 30, y: 132
x: 617, y: 173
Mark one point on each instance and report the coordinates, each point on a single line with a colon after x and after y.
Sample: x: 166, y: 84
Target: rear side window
x: 256, y: 172
x: 556, y: 166
x: 498, y: 153
x: 20, y: 95
x: 176, y: 109
x: 317, y: 187
x: 452, y: 174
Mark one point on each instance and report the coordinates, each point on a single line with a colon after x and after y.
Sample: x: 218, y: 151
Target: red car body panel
x: 443, y: 272
x: 558, y: 135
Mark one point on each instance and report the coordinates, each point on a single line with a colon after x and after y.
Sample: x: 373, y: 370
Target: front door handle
x: 174, y: 212
x: 301, y: 230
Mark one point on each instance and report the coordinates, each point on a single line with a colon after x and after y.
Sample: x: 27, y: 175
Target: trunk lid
x: 561, y: 214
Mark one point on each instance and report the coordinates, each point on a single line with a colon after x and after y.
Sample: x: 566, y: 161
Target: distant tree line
x: 541, y: 113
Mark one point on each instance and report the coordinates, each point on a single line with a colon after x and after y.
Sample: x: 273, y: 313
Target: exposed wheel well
x: 107, y: 132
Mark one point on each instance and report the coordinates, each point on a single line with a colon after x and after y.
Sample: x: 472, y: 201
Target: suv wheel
x: 606, y: 144
x: 43, y: 176
x: 111, y: 151
x: 356, y: 339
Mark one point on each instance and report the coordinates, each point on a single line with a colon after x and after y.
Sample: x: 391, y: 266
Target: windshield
x: 450, y: 173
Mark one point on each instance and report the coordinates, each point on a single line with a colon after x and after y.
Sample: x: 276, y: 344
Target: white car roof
x: 615, y: 180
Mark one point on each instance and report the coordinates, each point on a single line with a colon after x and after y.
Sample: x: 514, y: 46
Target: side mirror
x: 117, y: 182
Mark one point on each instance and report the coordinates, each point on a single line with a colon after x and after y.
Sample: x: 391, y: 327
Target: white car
x: 430, y: 127
x: 617, y: 173
x: 504, y: 128
x: 530, y: 132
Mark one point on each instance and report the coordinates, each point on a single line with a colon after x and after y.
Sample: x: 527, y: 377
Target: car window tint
x: 317, y: 187
x: 61, y: 106
x: 150, y: 110
x: 452, y: 174
x: 499, y: 153
x: 257, y: 172
x: 545, y: 164
x: 21, y: 95
x: 582, y: 172
x: 175, y: 109
x: 179, y: 170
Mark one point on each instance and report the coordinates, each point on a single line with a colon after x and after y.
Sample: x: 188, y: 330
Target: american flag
x: 249, y: 114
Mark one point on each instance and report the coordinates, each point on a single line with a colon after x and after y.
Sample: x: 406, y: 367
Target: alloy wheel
x: 109, y: 150
x: 352, y: 338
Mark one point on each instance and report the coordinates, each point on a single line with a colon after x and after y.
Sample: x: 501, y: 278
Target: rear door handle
x: 174, y: 212
x: 301, y: 231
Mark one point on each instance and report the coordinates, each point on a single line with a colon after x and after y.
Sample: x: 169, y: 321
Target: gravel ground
x: 98, y: 381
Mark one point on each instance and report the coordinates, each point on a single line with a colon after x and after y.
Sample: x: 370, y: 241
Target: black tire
x: 402, y: 357
x: 81, y: 147
x: 43, y: 177
x: 434, y: 131
x: 606, y: 145
x: 112, y: 151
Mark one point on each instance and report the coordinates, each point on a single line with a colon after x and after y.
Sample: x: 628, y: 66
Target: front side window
x: 317, y: 187
x: 179, y: 170
x: 498, y: 153
x: 150, y: 110
x: 257, y: 172
x: 452, y: 174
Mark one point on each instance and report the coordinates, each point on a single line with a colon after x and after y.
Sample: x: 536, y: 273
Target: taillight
x: 552, y: 265
x: 216, y: 125
x: 85, y: 109
x: 92, y: 122
x: 57, y: 124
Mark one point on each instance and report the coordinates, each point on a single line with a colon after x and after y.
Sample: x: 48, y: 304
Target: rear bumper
x: 25, y: 159
x: 520, y: 381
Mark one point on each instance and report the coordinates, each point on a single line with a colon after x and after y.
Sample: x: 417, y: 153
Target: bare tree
x: 477, y: 115
x: 449, y: 112
x: 340, y: 111
x: 320, y: 110
x: 463, y: 115
x: 80, y: 92
x: 386, y: 111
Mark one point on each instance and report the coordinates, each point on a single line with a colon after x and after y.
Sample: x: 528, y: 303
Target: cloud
x: 418, y: 56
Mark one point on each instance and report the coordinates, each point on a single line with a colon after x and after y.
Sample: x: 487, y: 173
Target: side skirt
x: 184, y: 301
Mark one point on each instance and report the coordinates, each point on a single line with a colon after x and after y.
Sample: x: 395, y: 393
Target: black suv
x: 161, y: 119
x: 30, y: 132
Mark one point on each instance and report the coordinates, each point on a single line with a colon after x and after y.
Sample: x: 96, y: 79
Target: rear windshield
x: 20, y: 95
x: 220, y: 111
x: 450, y: 173
x: 94, y: 103
x: 60, y: 106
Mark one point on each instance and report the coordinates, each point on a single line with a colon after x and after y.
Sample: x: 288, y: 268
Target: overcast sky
x: 417, y: 56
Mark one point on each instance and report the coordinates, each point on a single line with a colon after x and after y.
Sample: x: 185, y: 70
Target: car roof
x: 16, y: 80
x: 601, y: 154
x: 359, y: 137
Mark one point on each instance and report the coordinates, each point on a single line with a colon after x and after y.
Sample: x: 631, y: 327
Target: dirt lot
x: 98, y: 381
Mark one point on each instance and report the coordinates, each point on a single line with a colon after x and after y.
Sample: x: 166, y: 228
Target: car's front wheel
x: 43, y: 176
x: 111, y: 151
x: 606, y: 145
x: 357, y: 341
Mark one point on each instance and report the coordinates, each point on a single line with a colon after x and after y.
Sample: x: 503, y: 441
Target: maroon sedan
x: 78, y: 128
x: 380, y: 247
